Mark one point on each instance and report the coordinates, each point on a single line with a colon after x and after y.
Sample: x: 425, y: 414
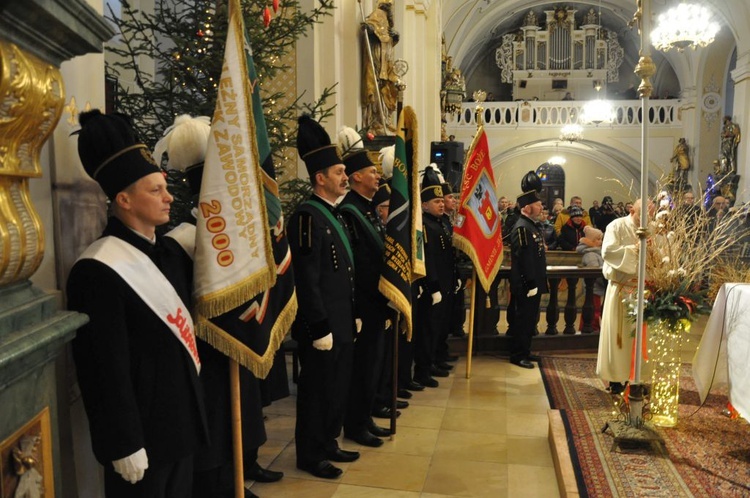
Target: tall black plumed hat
x: 314, y: 146
x: 111, y: 152
x: 431, y: 185
x: 531, y: 185
x: 531, y: 181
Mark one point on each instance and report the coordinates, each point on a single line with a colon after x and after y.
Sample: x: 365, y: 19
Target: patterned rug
x: 706, y: 454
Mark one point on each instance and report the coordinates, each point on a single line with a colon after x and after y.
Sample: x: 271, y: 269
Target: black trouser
x: 524, y: 324
x: 369, y: 351
x: 433, y: 319
x: 173, y: 480
x: 322, y: 391
x: 444, y: 328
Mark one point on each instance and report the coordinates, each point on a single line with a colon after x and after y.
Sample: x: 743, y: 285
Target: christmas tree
x: 168, y: 62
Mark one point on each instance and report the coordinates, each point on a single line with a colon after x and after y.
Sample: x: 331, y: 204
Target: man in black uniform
x: 136, y: 359
x: 324, y: 327
x: 456, y: 313
x: 437, y: 286
x: 371, y: 307
x: 528, y: 271
x: 213, y: 474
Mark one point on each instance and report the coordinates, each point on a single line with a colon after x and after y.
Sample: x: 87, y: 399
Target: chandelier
x: 684, y: 26
x: 571, y: 133
x: 597, y: 111
x: 557, y: 161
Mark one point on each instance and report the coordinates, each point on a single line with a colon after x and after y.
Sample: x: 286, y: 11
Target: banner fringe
x: 392, y: 293
x: 228, y: 299
x: 466, y: 246
x: 239, y: 352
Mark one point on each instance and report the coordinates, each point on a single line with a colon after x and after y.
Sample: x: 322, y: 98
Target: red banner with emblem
x: 478, y: 227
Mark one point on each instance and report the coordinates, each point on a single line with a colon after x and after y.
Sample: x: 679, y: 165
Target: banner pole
x: 234, y: 388
x: 470, y: 347
x: 394, y: 366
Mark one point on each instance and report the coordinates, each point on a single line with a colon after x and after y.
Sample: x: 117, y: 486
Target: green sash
x: 336, y: 225
x: 349, y: 208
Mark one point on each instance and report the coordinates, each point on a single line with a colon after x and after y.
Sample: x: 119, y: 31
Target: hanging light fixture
x: 571, y: 133
x: 557, y: 161
x: 684, y: 26
x: 598, y: 110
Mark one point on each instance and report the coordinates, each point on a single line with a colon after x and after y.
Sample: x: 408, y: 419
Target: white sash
x: 142, y: 275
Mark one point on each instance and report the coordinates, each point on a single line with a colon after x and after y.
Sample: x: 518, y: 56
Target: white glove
x: 324, y: 343
x: 358, y: 323
x: 458, y: 286
x: 436, y: 297
x: 132, y: 467
x: 388, y: 323
x: 532, y: 292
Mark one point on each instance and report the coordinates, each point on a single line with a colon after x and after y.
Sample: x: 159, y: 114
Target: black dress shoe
x: 339, y: 455
x: 403, y: 393
x: 428, y: 382
x: 376, y: 430
x: 524, y: 363
x: 402, y: 404
x: 322, y: 469
x: 383, y: 412
x: 259, y: 474
x: 534, y: 357
x: 414, y: 386
x: 438, y: 372
x: 364, y: 438
x: 444, y: 366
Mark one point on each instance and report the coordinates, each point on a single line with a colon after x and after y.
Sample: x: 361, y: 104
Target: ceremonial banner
x: 478, y: 227
x: 235, y: 262
x: 404, y: 241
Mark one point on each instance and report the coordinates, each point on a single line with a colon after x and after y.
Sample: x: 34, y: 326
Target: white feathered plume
x: 387, y: 155
x: 349, y: 140
x: 184, y: 142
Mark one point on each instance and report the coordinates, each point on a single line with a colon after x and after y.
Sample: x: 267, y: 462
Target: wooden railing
x: 579, y: 294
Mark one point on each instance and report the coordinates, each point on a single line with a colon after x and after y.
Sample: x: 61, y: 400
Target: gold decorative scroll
x: 31, y: 101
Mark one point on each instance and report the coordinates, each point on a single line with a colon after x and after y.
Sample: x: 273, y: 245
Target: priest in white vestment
x: 620, y: 254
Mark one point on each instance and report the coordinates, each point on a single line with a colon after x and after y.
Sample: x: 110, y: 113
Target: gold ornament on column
x: 31, y: 101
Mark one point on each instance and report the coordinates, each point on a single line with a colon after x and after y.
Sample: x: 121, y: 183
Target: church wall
x: 714, y: 78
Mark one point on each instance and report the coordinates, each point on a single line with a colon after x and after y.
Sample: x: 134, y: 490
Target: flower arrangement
x: 685, y: 246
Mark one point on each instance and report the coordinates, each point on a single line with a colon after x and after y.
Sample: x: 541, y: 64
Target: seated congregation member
x: 606, y: 214
x: 324, y: 328
x: 136, y: 359
x: 371, y: 307
x: 433, y: 303
x: 590, y: 247
x: 572, y: 231
x: 563, y: 216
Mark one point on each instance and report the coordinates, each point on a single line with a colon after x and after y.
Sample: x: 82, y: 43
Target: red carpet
x: 707, y: 454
